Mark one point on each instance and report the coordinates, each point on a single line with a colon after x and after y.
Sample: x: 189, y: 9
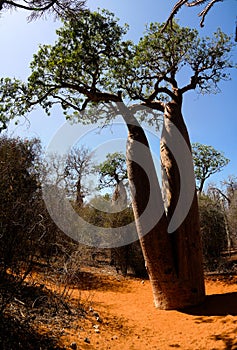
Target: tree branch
x: 42, y: 98
x: 192, y: 85
x: 204, y: 12
x: 173, y: 13
x: 160, y: 90
x: 61, y: 8
x: 31, y: 7
x: 220, y: 192
x: 157, y: 105
x: 70, y: 104
x: 180, y: 3
x: 93, y: 96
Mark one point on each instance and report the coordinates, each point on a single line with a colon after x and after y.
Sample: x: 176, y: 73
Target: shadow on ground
x: 16, y: 335
x: 91, y: 281
x: 27, y: 313
x: 218, y: 305
x: 229, y: 340
x: 215, y: 305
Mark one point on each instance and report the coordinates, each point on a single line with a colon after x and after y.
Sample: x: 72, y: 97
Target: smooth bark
x: 170, y: 289
x: 186, y: 241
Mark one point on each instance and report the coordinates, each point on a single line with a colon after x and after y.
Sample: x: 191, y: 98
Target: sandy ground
x: 122, y: 316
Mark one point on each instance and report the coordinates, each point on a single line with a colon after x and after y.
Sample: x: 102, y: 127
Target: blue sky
x: 210, y: 119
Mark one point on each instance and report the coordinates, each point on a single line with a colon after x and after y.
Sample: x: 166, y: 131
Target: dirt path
x: 122, y: 317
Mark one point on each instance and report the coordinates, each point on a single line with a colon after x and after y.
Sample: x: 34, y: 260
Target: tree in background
x: 113, y: 173
x: 231, y: 190
x: 52, y: 170
x: 207, y: 161
x: 213, y: 230
x: 226, y: 196
x: 91, y: 65
x: 78, y: 166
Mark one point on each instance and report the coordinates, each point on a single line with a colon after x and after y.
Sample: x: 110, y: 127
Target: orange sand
x: 128, y: 319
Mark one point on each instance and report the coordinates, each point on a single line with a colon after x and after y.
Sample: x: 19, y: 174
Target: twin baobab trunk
x: 174, y: 285
x: 185, y: 240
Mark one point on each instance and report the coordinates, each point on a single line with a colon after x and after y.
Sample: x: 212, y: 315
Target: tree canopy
x: 112, y: 170
x: 207, y: 161
x: 91, y: 63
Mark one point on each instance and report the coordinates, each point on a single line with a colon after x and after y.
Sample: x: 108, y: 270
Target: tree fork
x: 169, y: 291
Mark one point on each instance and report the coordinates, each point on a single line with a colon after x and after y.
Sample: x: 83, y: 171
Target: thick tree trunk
x: 186, y: 239
x: 169, y: 291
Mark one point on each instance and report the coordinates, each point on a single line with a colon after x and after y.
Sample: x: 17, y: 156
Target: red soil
x: 128, y: 319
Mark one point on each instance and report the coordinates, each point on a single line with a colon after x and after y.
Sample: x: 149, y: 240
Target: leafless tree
x: 78, y: 165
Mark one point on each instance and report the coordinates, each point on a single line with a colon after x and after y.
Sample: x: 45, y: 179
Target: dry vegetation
x: 100, y: 309
x: 58, y: 294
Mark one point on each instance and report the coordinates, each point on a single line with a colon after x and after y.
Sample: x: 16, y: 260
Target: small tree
x: 78, y: 166
x: 207, y: 161
x: 113, y: 173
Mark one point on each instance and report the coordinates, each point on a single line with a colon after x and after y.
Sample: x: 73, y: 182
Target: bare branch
x: 220, y: 192
x: 180, y: 3
x: 196, y: 3
x: 45, y: 6
x: 204, y: 12
x: 38, y: 8
x: 173, y: 13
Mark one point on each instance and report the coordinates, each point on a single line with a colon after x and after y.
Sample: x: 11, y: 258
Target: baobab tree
x: 91, y: 64
x: 78, y: 166
x: 113, y: 173
x: 207, y: 161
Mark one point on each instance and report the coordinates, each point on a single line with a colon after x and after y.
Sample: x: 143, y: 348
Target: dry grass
x: 103, y: 310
